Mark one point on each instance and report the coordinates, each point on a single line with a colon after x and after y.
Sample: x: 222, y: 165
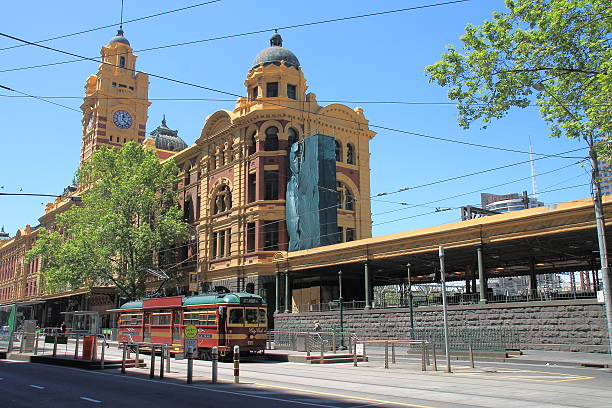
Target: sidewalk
x: 566, y: 358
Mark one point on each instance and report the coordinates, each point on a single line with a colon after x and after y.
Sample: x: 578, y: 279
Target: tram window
x: 131, y: 319
x: 262, y: 317
x: 161, y: 319
x: 236, y: 316
x: 251, y: 316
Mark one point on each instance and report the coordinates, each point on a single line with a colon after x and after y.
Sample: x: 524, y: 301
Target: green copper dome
x: 167, y: 139
x: 275, y: 53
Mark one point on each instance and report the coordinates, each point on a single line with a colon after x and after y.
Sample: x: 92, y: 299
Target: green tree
x: 557, y: 50
x: 128, y: 219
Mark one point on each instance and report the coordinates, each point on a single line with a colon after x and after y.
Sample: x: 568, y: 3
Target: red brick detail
x: 227, y: 173
x: 101, y: 133
x: 102, y: 125
x: 102, y: 118
x: 141, y: 134
x: 352, y: 174
x: 143, y: 127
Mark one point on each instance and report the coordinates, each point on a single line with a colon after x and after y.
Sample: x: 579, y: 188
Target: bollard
x: 236, y: 364
x: 102, y: 353
x: 308, y: 342
x: 167, y: 359
x: 36, y: 344
x: 22, y: 342
x: 471, y: 354
x: 54, y: 345
x: 393, y: 353
x: 123, y: 360
x: 137, y: 361
x: 161, y: 362
x: 215, y: 364
x: 334, y: 341
x: 433, y: 355
x: 354, y: 354
x: 76, y: 348
x: 10, y: 343
x: 423, y: 358
x: 386, y: 354
x: 189, y: 367
x: 322, y: 358
x: 152, y: 373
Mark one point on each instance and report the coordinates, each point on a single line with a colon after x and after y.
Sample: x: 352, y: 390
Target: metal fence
x: 309, y: 341
x: 435, y: 299
x: 492, y: 340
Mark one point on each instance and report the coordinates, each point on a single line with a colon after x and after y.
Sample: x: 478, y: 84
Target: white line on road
x: 90, y: 399
x: 38, y: 387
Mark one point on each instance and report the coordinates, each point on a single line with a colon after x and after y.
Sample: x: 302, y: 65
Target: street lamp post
x: 410, y: 303
x: 599, y: 216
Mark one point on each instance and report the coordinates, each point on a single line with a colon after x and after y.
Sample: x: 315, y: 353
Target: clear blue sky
x: 372, y: 59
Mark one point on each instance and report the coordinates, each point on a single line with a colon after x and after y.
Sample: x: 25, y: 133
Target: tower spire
x: 120, y: 31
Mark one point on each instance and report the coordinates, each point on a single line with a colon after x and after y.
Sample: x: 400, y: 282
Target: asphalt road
x: 266, y: 384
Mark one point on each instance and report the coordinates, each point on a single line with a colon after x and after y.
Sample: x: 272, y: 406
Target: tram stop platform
x: 68, y: 361
x: 314, y: 358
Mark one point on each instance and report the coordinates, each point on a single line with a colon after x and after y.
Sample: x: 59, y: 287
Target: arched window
x: 293, y: 137
x: 122, y: 62
x: 346, y: 199
x: 222, y: 200
x: 252, y: 143
x: 350, y: 154
x: 338, y: 151
x: 271, y: 143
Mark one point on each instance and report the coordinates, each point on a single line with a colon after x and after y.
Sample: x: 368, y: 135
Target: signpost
x: 190, y: 336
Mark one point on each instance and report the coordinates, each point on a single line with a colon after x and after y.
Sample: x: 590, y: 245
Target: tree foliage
x: 557, y: 50
x: 128, y: 219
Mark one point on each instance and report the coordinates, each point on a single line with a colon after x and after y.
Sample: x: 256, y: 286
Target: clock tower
x: 116, y: 103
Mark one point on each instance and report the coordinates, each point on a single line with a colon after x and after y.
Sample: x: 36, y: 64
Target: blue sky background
x: 379, y: 58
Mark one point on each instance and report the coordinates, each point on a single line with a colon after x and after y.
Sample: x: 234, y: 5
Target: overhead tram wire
x: 248, y: 33
x: 210, y: 89
x: 114, y: 24
x: 177, y: 99
x: 470, y: 192
x: 427, y: 204
x: 39, y: 98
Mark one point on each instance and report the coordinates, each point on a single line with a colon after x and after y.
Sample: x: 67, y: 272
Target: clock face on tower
x: 122, y: 119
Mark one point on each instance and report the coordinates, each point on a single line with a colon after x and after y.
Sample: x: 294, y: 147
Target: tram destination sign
x: 250, y: 301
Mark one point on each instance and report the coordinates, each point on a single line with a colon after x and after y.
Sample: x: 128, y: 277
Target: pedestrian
x: 63, y: 327
x: 317, y: 326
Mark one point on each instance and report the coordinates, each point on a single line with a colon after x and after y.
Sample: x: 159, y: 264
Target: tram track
x: 385, y: 390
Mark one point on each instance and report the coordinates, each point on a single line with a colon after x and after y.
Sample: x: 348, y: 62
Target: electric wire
x: 261, y: 31
x: 472, y: 192
x: 114, y: 24
x: 207, y: 88
x: 177, y: 99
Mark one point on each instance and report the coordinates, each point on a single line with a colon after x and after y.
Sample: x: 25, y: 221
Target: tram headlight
x: 251, y: 337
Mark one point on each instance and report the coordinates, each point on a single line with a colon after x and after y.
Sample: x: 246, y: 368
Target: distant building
x: 508, y: 202
x: 605, y: 172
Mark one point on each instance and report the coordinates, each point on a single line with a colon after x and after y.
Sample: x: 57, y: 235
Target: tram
x: 223, y: 320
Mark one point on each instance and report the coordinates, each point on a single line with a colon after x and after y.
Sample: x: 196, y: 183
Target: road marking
x: 401, y: 404
x: 90, y: 399
x: 38, y: 387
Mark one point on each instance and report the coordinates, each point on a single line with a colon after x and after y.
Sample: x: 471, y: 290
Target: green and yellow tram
x: 223, y: 320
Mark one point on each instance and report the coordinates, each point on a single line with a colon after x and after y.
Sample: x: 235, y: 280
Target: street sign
x: 191, y: 332
x: 190, y: 345
x: 359, y: 349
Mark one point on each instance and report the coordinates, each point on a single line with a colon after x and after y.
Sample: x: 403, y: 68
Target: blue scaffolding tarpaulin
x: 312, y: 198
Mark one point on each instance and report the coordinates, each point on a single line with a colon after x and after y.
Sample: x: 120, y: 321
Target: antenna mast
x: 534, y: 185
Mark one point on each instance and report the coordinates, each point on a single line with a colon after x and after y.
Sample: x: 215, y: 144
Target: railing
x: 492, y: 340
x: 319, y: 341
x: 452, y: 299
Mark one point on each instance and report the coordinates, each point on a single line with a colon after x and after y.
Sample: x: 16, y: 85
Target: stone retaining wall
x: 572, y: 325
